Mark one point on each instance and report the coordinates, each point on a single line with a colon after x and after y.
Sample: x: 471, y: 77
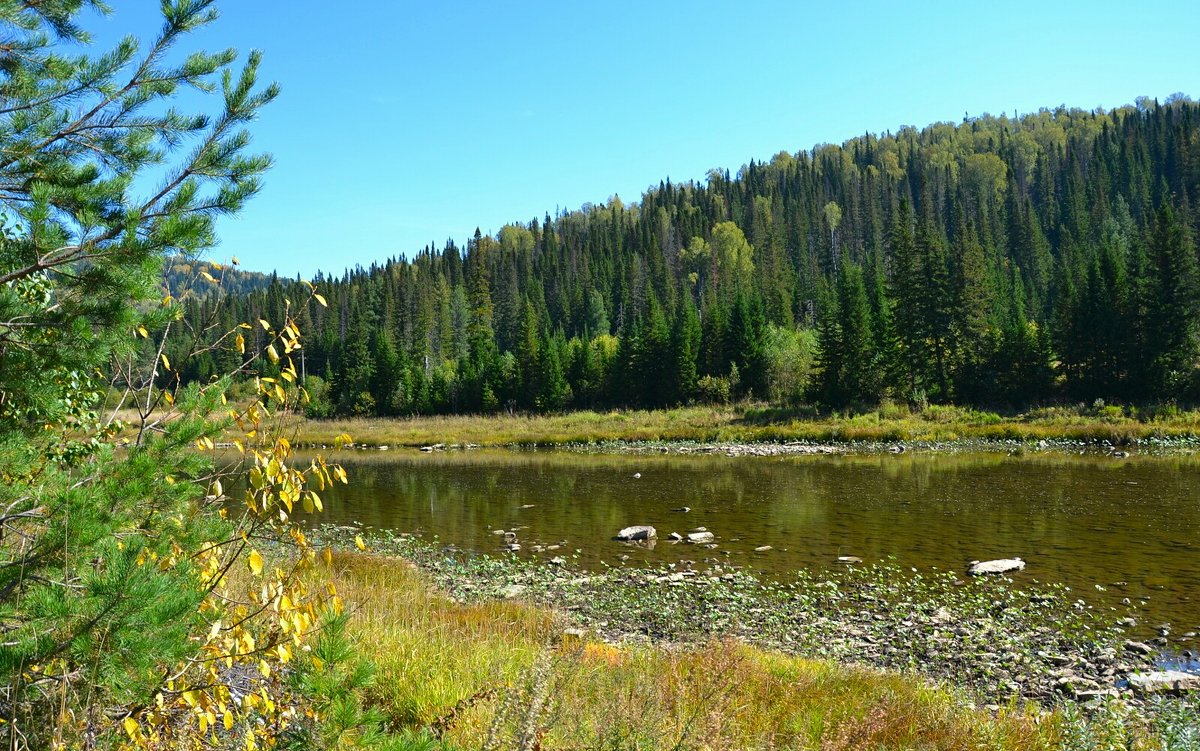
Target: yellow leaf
x: 262, y: 322
x: 131, y: 727
x: 166, y: 363
x: 328, y: 556
x: 168, y: 398
x: 143, y: 332
x: 235, y: 261
x: 321, y: 299
x: 228, y: 720
x: 358, y: 542
x: 217, y: 488
x: 272, y: 355
x: 207, y: 277
x: 256, y: 563
x: 240, y: 341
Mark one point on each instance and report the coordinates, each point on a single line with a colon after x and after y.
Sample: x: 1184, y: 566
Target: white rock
x: 1164, y: 681
x: 998, y: 566
x: 638, y: 532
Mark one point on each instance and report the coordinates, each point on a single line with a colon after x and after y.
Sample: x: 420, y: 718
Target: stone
x: 675, y: 537
x: 1138, y: 647
x: 637, y: 532
x: 849, y: 559
x: 512, y: 591
x: 762, y: 548
x: 1127, y: 622
x: 997, y: 566
x: 637, y: 475
x: 698, y: 529
x: 684, y: 509
x: 700, y: 537
x: 1094, y: 694
x: 558, y: 560
x: 1164, y: 682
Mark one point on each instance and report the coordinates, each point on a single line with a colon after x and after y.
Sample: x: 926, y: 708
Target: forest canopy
x: 998, y: 261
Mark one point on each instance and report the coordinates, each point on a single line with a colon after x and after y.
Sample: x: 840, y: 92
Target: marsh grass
x: 760, y: 423
x: 498, y: 674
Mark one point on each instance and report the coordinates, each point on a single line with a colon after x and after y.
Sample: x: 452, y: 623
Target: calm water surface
x: 1128, y: 525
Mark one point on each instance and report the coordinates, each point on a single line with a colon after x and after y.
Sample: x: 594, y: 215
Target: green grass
x: 758, y: 423
x: 502, y: 673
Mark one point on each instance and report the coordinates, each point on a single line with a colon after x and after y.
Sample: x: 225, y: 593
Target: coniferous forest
x: 998, y: 262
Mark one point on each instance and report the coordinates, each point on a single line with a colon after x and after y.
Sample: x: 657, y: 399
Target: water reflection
x: 1128, y: 526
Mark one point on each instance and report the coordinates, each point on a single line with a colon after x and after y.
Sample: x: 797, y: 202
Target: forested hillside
x: 996, y: 261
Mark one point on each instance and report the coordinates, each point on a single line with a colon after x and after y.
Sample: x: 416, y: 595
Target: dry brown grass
x: 499, y: 674
x: 750, y: 423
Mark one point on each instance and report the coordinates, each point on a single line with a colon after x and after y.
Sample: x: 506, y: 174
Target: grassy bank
x: 756, y: 423
x: 499, y: 673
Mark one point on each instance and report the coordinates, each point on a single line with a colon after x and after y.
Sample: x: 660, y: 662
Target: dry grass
x: 500, y: 675
x: 757, y: 423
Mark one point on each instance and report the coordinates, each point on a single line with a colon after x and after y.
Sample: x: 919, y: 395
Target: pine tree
x: 99, y: 583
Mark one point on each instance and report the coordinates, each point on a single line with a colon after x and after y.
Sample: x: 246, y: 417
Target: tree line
x: 998, y: 261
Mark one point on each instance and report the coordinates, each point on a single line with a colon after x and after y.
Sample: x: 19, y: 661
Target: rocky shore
x: 998, y: 641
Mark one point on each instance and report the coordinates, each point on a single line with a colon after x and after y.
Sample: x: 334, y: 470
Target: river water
x: 1109, y: 528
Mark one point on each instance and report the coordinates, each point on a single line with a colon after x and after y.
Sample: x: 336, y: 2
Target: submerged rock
x: 700, y: 537
x: 637, y: 532
x: 849, y: 559
x: 998, y: 566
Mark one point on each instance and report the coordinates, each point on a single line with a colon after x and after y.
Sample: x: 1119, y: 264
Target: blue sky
x: 404, y: 123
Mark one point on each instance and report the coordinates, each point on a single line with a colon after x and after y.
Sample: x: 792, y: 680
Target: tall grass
x: 753, y: 423
x: 501, y: 675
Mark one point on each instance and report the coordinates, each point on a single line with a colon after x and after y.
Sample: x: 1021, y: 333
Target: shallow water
x: 1127, y: 525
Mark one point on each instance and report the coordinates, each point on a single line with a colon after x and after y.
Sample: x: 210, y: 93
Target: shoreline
x: 755, y: 430
x: 995, y: 641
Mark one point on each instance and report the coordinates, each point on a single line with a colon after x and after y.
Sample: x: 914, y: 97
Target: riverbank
x: 999, y: 642
x: 492, y: 673
x: 676, y: 661
x: 757, y: 424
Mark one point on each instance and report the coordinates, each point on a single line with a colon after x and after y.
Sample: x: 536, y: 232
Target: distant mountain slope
x: 993, y: 261
x: 183, y: 277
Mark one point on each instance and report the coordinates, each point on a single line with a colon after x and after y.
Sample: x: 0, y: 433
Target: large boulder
x: 637, y: 532
x: 998, y: 566
x: 1164, y: 682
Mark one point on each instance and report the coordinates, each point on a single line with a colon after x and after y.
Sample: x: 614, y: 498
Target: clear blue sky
x: 404, y: 123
